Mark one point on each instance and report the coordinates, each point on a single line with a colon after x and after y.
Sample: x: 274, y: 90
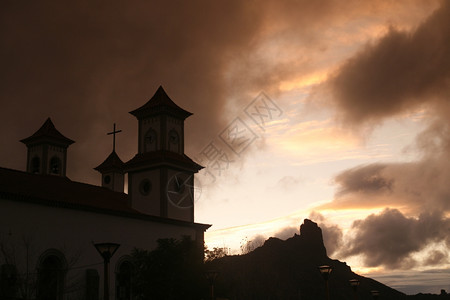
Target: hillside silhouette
x: 289, y: 270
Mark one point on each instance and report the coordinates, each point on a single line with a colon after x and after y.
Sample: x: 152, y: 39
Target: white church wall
x: 73, y: 233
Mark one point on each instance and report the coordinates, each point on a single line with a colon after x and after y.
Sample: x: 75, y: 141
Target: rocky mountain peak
x: 289, y: 270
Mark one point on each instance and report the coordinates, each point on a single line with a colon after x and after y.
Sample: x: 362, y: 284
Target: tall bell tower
x: 160, y: 175
x: 47, y: 150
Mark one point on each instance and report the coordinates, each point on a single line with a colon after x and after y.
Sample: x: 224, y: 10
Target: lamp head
x: 354, y: 283
x: 375, y: 294
x: 325, y: 270
x: 211, y: 276
x: 106, y: 250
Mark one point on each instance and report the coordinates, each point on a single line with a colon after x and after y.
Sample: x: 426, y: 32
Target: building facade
x: 49, y: 224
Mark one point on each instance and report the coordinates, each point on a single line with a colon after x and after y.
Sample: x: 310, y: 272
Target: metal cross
x: 114, y: 136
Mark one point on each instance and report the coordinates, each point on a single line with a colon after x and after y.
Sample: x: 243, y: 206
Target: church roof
x: 47, y: 133
x: 62, y: 192
x: 111, y: 163
x: 161, y: 158
x: 160, y: 103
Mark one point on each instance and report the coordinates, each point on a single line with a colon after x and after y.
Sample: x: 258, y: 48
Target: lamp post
x: 106, y: 250
x: 354, y: 283
x: 325, y: 271
x: 211, y: 276
x: 375, y: 294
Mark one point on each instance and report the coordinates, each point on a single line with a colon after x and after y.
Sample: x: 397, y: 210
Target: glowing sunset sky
x: 358, y: 139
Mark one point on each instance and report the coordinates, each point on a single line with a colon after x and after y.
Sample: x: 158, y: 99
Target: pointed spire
x: 160, y: 103
x: 47, y: 133
x: 112, y: 163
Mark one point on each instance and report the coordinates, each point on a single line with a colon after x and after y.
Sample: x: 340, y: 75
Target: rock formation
x: 289, y: 270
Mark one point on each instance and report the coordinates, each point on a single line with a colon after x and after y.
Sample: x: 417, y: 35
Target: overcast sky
x: 344, y: 107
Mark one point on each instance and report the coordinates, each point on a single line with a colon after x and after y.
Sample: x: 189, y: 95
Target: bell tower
x: 112, y: 168
x: 160, y: 175
x: 160, y: 125
x: 47, y: 150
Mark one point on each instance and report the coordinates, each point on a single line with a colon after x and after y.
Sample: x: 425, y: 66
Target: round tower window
x: 145, y: 187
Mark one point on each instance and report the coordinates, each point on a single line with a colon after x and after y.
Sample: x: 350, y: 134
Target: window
x: 174, y: 141
x: 55, y: 165
x: 8, y: 281
x: 51, y: 273
x: 35, y: 165
x: 107, y: 179
x: 150, y: 140
x: 145, y: 187
x: 124, y: 273
x: 92, y: 284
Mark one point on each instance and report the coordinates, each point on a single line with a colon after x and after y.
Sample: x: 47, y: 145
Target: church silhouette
x: 49, y: 223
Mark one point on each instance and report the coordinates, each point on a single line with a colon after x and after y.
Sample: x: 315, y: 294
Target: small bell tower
x: 112, y: 168
x: 47, y: 150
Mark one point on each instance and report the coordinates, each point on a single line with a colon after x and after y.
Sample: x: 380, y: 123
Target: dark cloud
x: 414, y: 187
x: 390, y: 238
x: 400, y: 72
x: 436, y: 257
x: 419, y: 189
x: 87, y: 64
x: 364, y: 178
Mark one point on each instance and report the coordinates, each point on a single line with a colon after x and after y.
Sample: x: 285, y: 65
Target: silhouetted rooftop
x: 160, y: 103
x: 47, y: 133
x: 112, y: 162
x: 163, y: 158
x: 62, y: 192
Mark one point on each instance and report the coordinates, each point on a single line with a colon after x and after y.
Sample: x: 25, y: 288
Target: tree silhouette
x: 172, y: 271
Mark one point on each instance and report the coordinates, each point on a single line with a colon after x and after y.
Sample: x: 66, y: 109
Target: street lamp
x: 211, y: 276
x: 325, y: 271
x: 106, y: 250
x: 354, y: 283
x: 375, y: 294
